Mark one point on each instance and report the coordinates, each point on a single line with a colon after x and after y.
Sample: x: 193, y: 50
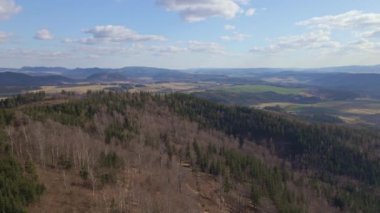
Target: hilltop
x: 143, y: 152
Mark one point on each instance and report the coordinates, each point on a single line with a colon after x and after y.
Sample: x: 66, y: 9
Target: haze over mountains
x: 358, y: 77
x: 362, y: 79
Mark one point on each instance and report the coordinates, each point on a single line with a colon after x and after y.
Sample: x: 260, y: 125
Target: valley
x: 292, y: 92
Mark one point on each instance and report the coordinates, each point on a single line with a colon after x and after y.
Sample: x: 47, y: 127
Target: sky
x: 185, y: 34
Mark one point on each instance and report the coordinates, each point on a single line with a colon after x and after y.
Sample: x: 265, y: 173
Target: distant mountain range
x: 38, y: 76
x: 101, y: 74
x: 153, y: 71
x: 82, y: 73
x: 348, y: 69
x: 253, y: 71
x: 106, y: 77
x: 358, y: 78
x: 21, y: 80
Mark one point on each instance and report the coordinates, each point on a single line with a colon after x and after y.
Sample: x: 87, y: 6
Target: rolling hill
x: 143, y: 152
x: 106, y: 77
x: 20, y: 79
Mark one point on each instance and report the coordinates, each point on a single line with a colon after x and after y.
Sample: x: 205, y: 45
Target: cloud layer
x: 205, y: 47
x: 199, y: 10
x: 229, y: 27
x: 354, y: 19
x: 313, y: 40
x: 4, y: 36
x: 346, y: 37
x: 361, y: 29
x: 235, y: 37
x: 114, y: 34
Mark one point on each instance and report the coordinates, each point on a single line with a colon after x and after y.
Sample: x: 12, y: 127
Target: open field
x: 363, y: 111
x: 74, y: 88
x: 173, y: 87
x: 274, y: 104
x: 352, y: 107
x: 154, y: 87
x: 261, y: 89
x: 297, y: 101
x: 352, y: 119
x: 286, y: 80
x: 351, y: 112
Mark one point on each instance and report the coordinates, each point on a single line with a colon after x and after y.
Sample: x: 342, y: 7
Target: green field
x: 352, y: 112
x: 261, y: 89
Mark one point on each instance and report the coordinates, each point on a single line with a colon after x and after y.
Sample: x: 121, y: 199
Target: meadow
x: 80, y: 88
x: 261, y: 89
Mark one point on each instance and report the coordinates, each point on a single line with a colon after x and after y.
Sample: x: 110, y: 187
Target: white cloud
x: 361, y: 45
x: 199, y: 10
x: 113, y: 34
x: 33, y: 53
x: 205, y: 47
x: 364, y: 26
x: 235, y: 37
x: 44, y: 34
x: 4, y: 36
x: 229, y: 27
x: 8, y: 8
x: 250, y: 12
x: 313, y: 40
x: 350, y: 20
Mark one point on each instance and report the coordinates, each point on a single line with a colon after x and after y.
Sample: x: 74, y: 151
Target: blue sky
x: 189, y: 33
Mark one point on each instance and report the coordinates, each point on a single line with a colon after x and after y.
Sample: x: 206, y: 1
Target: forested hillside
x: 140, y: 152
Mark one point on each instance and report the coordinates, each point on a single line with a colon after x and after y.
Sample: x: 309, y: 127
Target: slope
x: 143, y: 152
